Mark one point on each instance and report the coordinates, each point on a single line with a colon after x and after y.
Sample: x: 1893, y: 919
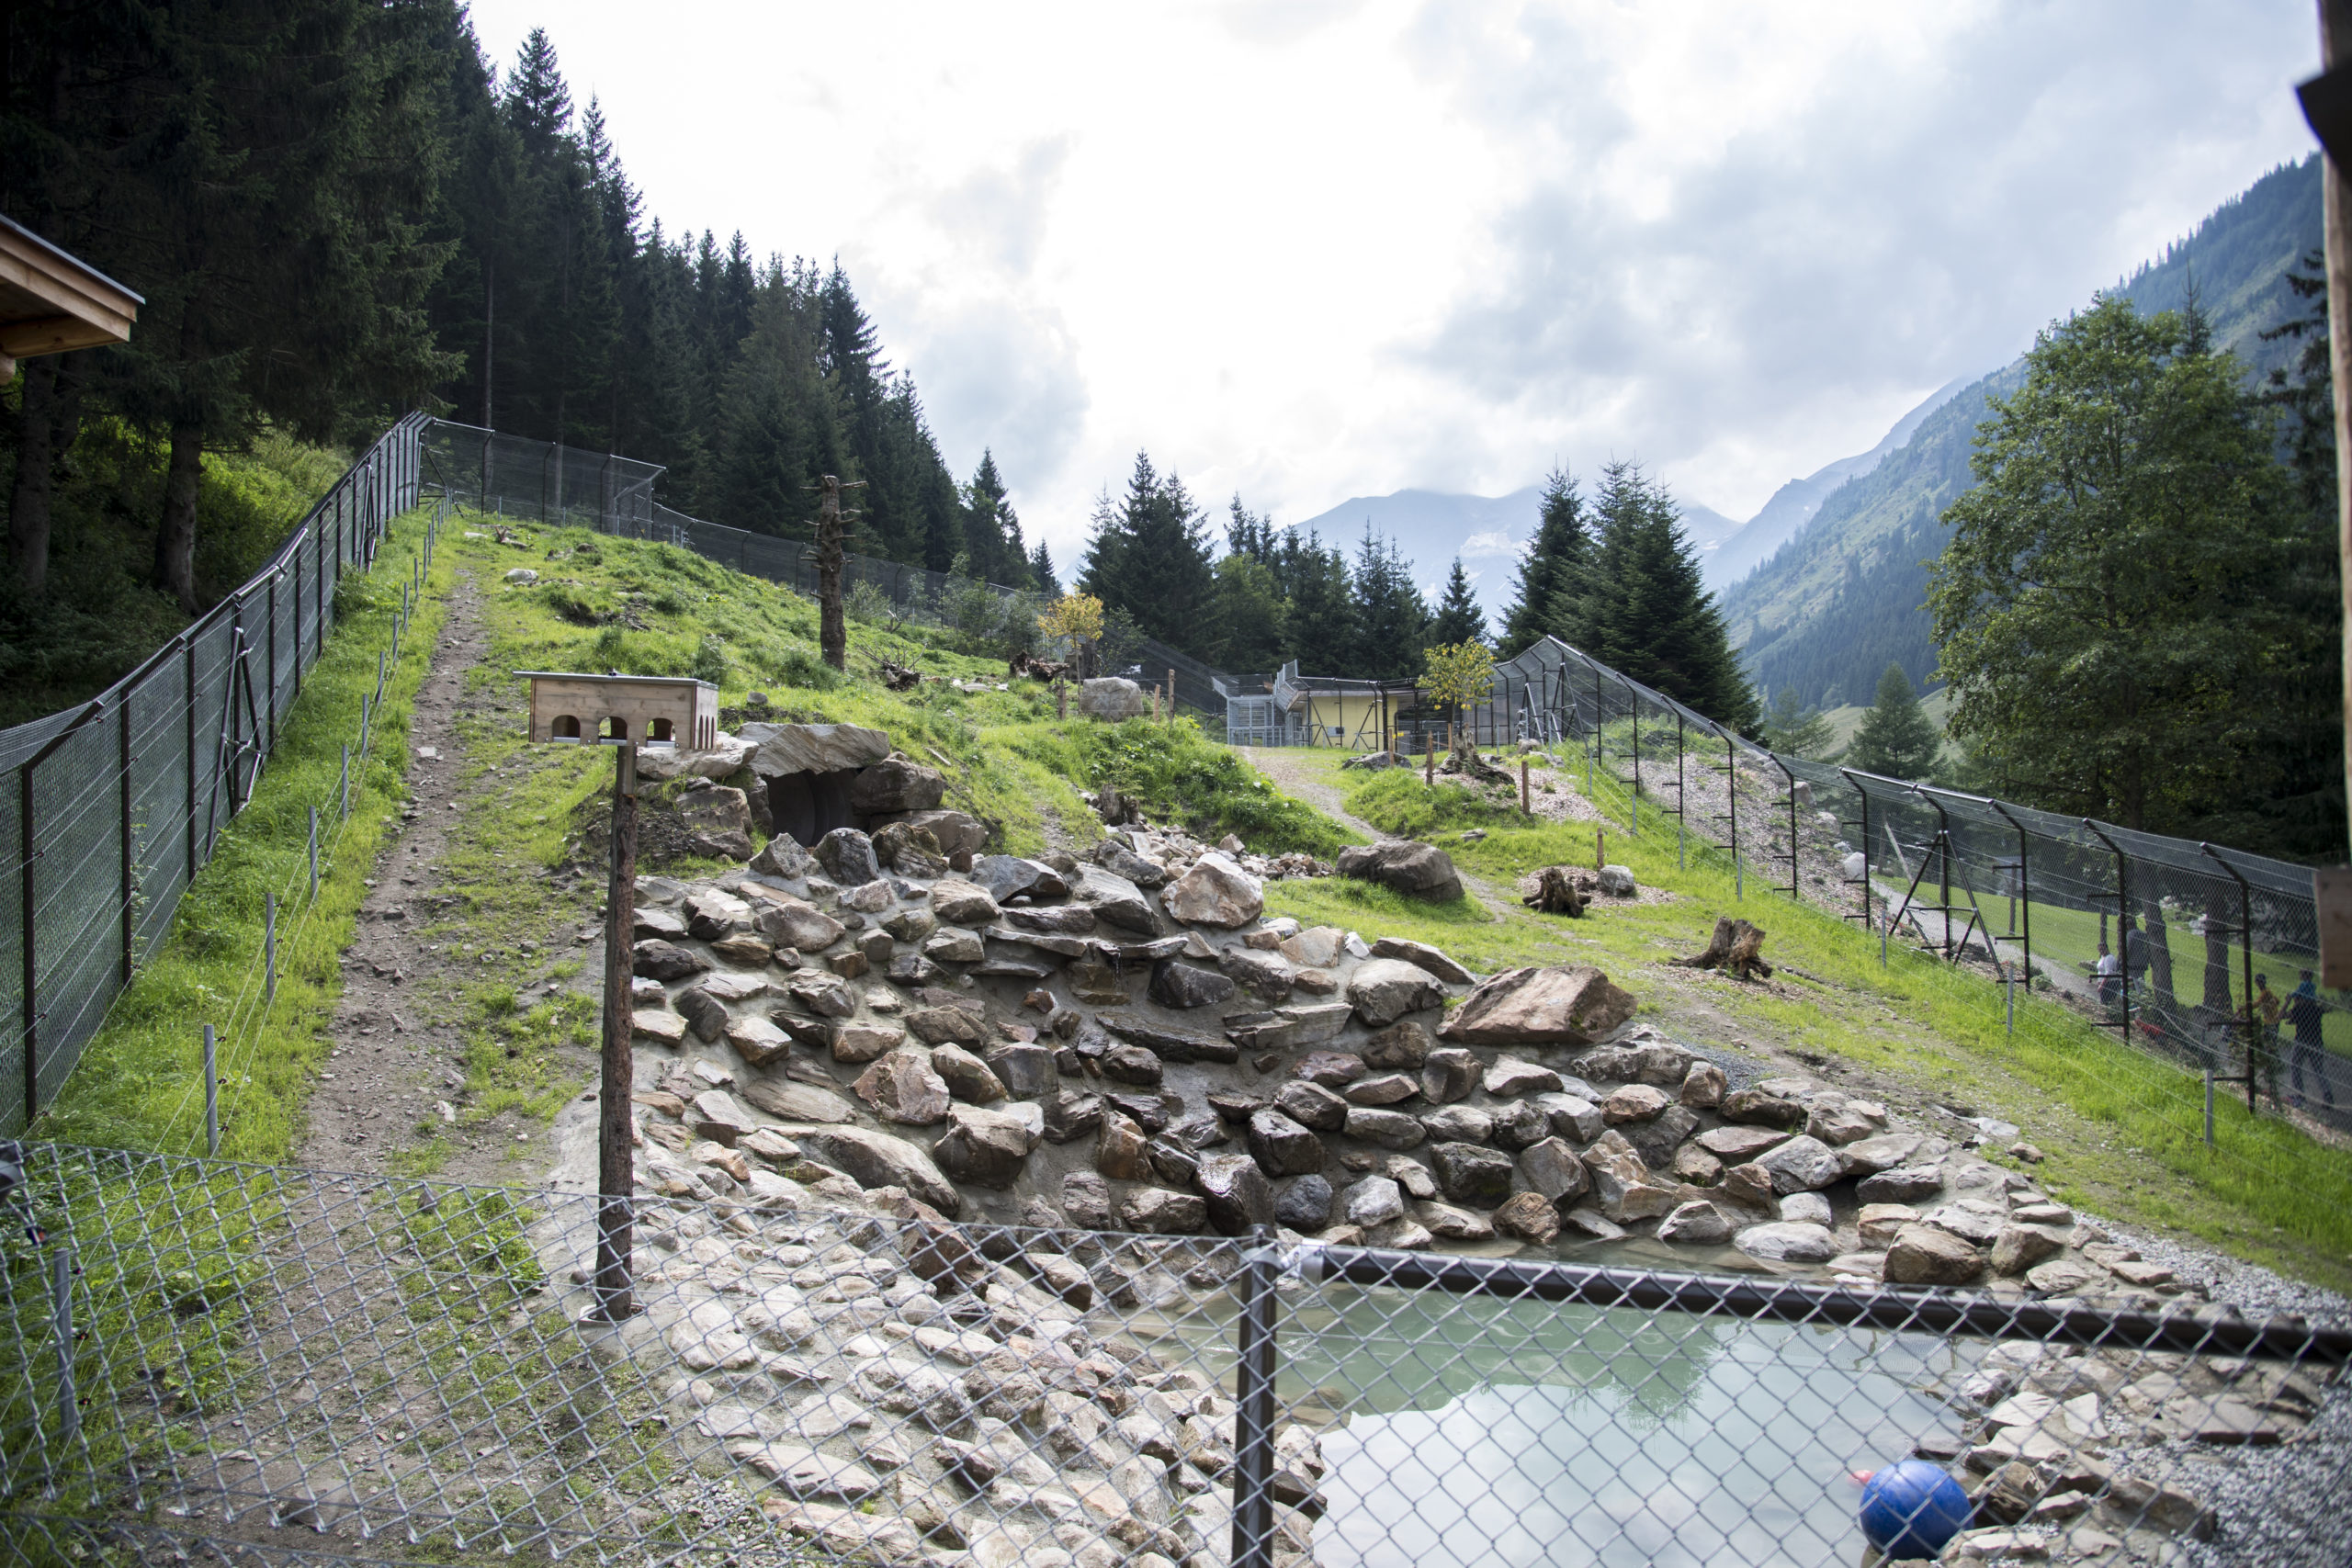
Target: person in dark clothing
x: 2304, y: 1012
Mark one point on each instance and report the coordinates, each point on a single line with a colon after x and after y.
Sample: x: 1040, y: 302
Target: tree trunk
x: 1556, y: 893
x: 175, y: 538
x: 832, y: 635
x: 28, y: 507
x: 1736, y: 948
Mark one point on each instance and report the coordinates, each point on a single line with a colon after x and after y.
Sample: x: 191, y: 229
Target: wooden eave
x: 51, y: 302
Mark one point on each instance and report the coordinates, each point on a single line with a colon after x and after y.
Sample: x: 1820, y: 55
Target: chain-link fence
x: 207, y: 1360
x: 541, y: 481
x: 109, y: 810
x: 2160, y: 940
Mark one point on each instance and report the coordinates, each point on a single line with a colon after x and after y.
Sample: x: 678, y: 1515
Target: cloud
x: 1334, y: 248
x: 1494, y: 542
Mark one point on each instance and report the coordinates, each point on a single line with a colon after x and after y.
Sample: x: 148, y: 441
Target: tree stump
x: 1737, y: 949
x: 899, y: 678
x: 1556, y: 893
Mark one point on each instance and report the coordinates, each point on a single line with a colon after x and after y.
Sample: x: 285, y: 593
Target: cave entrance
x: 807, y: 805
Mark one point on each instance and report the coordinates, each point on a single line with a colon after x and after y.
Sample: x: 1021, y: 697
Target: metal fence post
x: 129, y: 848
x: 61, y: 1306
x: 1253, y: 1446
x: 24, y: 929
x: 342, y: 785
x: 314, y: 854
x: 269, y: 948
x: 1731, y: 795
x: 211, y: 1094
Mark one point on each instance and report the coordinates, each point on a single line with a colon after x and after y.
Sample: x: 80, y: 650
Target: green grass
x: 2125, y: 1132
x: 1395, y: 800
x: 1182, y: 778
x: 139, y: 1082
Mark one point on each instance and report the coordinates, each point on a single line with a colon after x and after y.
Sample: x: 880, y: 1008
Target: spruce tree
x: 1458, y: 619
x: 1551, y: 587
x: 1896, y: 739
x: 1647, y: 614
x: 1149, y: 558
x: 1041, y: 571
x: 1319, y: 625
x: 1391, y: 617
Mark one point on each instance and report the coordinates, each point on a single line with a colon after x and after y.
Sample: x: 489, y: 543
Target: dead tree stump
x: 1737, y: 949
x: 1556, y: 893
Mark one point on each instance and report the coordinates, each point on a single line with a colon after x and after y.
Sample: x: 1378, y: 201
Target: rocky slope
x: 896, y: 1024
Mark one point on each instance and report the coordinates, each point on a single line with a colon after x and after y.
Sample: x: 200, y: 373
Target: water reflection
x: 1470, y: 1431
x: 1464, y: 1430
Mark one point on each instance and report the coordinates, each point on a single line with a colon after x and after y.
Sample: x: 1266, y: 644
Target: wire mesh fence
x: 207, y: 1360
x: 2202, y: 959
x: 109, y: 810
x: 508, y: 476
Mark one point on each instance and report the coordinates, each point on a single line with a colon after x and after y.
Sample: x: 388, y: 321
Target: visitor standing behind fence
x: 2268, y: 1005
x: 2304, y: 1012
x: 2110, y: 973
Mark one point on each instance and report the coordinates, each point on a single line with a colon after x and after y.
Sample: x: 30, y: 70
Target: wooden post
x: 1599, y: 848
x: 1428, y: 768
x: 2336, y: 48
x: 1061, y: 699
x: 1171, y: 696
x: 1525, y: 809
x: 615, y: 1158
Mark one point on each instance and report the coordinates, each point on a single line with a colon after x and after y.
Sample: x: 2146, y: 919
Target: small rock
x: 1449, y: 1075
x: 1923, y: 1255
x: 1787, y: 1241
x: 1467, y: 1173
x: 1282, y: 1146
x: 1382, y: 990
x: 1531, y: 1217
x: 2019, y: 1248
x: 1699, y: 1223
x: 1634, y: 1102
x: 1702, y: 1087
x: 1305, y: 1203
x: 1807, y: 1208
x: 1371, y: 1201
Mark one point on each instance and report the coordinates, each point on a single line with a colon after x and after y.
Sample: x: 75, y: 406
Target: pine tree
x: 1896, y: 741
x: 1319, y: 619
x: 1391, y: 617
x: 1458, y: 619
x: 1553, y: 575
x: 1041, y: 573
x: 1647, y: 612
x: 1149, y: 558
x: 1795, y: 730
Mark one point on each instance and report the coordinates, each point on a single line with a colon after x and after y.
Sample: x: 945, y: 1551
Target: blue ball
x: 1913, y: 1508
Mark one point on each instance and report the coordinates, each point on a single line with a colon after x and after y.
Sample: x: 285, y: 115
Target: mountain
x: 1793, y: 504
x: 1843, y: 595
x: 1432, y: 527
x: 1488, y: 532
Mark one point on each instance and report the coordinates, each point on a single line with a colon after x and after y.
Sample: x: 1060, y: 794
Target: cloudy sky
x: 1317, y: 249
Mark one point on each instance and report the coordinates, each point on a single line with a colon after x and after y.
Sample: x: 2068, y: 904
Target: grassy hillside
x: 525, y: 854
x: 1843, y: 598
x: 98, y: 618
x: 2123, y: 1132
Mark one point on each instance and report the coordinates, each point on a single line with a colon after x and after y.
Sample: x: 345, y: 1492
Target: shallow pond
x: 1472, y: 1431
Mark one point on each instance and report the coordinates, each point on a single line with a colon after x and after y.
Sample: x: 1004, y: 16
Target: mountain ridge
x: 1843, y: 595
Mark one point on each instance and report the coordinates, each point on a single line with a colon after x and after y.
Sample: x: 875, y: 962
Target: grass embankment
x: 139, y: 1083
x: 2124, y: 1132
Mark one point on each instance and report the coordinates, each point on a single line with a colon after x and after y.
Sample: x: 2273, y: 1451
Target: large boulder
x: 1571, y: 1005
x: 894, y: 784
x: 960, y: 903
x: 1215, y: 892
x: 1804, y: 1164
x: 848, y: 858
x: 1111, y: 698
x: 959, y: 833
x: 1115, y: 899
x: 1923, y: 1255
x: 789, y: 923
x: 717, y: 819
x: 812, y: 747
x: 901, y: 1088
x: 1472, y: 1174
x: 987, y: 1147
x: 1282, y: 1148
x: 728, y: 755
x: 878, y: 1159
x: 1382, y: 990
x: 1788, y: 1241
x: 1238, y: 1194
x: 1417, y: 871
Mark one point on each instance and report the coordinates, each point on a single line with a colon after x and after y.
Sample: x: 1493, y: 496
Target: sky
x: 1316, y: 249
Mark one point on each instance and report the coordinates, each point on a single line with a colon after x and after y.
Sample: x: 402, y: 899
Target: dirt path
x: 396, y: 1079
